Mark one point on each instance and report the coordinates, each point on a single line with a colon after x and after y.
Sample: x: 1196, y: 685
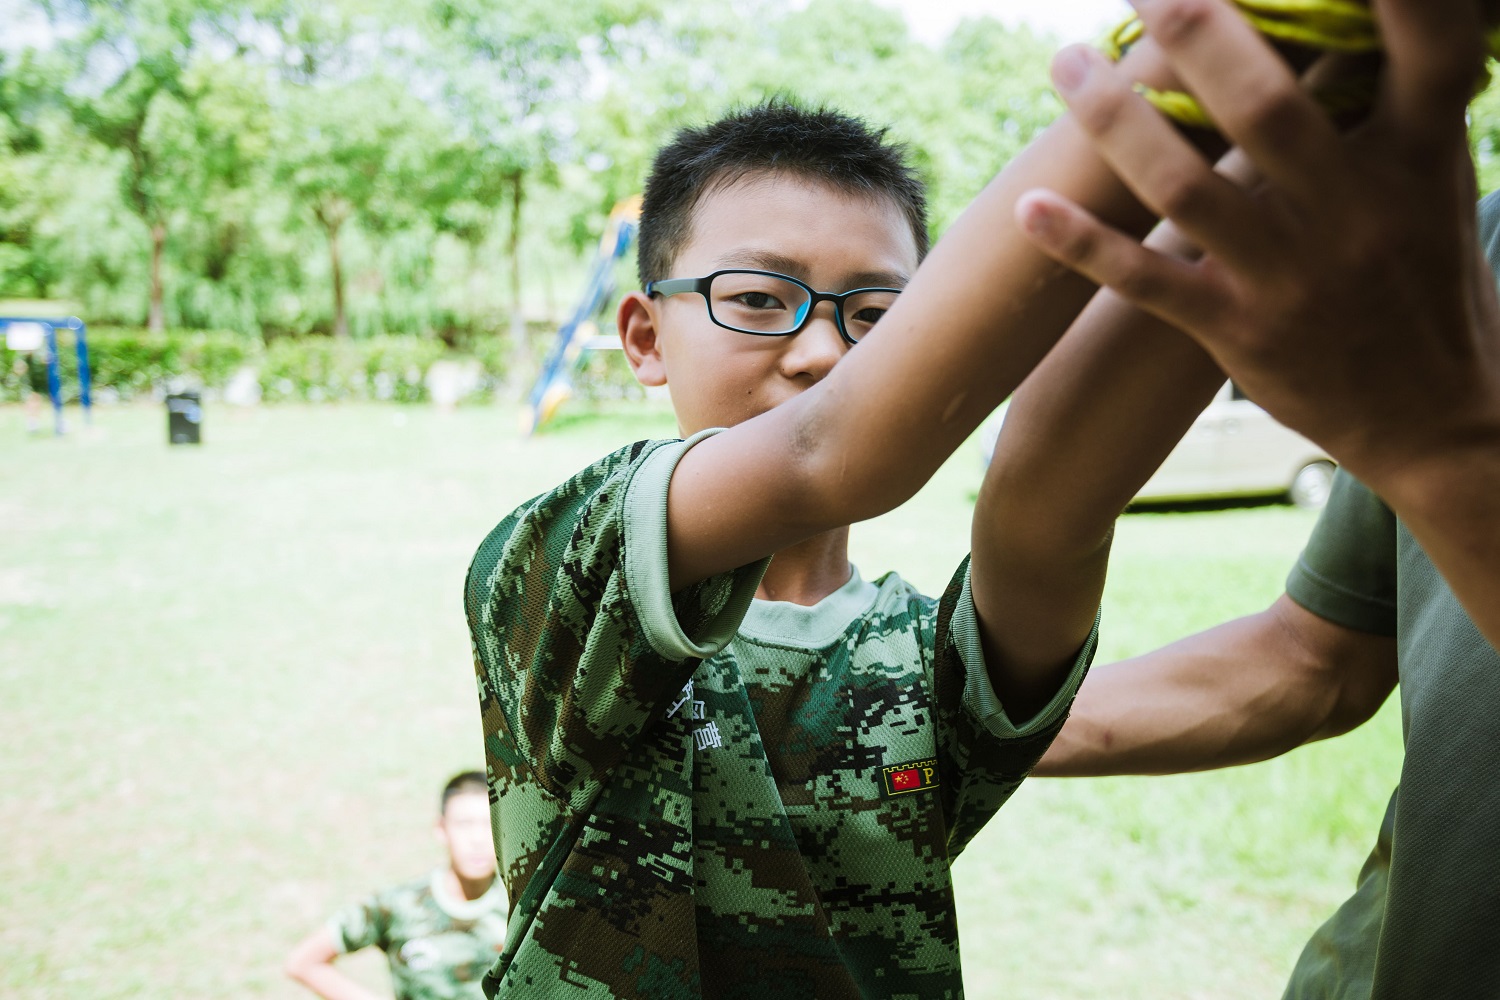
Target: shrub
x: 130, y: 362
x: 322, y: 370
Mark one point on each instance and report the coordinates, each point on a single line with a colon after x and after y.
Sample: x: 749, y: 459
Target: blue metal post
x: 54, y: 380
x: 85, y: 376
x: 54, y: 372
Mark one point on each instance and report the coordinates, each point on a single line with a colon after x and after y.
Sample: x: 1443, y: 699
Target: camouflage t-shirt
x: 702, y: 795
x: 439, y: 947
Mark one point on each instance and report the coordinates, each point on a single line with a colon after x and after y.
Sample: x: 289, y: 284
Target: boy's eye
x: 864, y: 310
x: 759, y: 300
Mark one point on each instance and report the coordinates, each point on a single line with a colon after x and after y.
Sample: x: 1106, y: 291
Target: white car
x: 1233, y: 449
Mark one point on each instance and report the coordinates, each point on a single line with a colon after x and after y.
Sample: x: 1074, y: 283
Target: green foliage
x: 1484, y: 137
x: 132, y: 363
x: 327, y: 370
x: 463, y: 155
x: 128, y: 363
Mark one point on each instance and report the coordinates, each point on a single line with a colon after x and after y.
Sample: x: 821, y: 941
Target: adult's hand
x: 1347, y: 293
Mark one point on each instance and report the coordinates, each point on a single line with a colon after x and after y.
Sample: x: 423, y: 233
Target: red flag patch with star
x: 913, y: 776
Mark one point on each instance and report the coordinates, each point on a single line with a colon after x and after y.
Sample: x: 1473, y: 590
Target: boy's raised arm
x: 1082, y: 434
x: 983, y: 308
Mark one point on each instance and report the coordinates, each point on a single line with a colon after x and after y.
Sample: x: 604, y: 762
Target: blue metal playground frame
x: 54, y: 375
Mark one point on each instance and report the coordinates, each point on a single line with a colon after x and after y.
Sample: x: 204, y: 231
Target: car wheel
x: 1311, y: 485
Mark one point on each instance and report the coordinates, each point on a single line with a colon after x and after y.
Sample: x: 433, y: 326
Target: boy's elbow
x: 840, y: 474
x: 845, y: 490
x: 301, y: 963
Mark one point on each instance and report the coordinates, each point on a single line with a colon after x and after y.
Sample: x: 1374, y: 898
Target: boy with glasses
x: 723, y: 763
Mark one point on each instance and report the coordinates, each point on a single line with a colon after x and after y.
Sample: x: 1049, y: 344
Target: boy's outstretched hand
x: 1347, y: 293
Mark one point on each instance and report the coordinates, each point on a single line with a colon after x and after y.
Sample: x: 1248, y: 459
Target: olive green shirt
x: 1424, y: 920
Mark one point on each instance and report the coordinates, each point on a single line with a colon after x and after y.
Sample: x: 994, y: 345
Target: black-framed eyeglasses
x: 768, y: 304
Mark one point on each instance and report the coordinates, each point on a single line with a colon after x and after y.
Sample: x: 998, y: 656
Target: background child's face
x: 464, y: 829
x: 832, y: 240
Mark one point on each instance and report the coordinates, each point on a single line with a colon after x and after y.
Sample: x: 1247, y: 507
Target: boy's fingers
x: 1248, y: 90
x: 1169, y: 176
x: 1163, y: 286
x: 1435, y: 52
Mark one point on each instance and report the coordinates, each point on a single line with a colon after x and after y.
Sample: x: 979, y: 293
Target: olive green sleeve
x: 1347, y: 572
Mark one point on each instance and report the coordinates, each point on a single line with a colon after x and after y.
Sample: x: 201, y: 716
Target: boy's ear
x: 636, y: 321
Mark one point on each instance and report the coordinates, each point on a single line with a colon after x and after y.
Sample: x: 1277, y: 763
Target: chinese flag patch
x: 912, y: 776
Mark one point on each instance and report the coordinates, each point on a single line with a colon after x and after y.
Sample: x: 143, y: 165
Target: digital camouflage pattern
x: 772, y: 821
x: 436, y: 951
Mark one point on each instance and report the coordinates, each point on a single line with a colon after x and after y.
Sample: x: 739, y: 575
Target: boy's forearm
x: 1082, y: 434
x: 311, y: 964
x: 331, y: 984
x: 978, y: 315
x: 1086, y: 430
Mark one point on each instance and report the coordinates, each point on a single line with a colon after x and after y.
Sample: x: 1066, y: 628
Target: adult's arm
x: 311, y: 964
x: 1347, y: 295
x: 1244, y: 691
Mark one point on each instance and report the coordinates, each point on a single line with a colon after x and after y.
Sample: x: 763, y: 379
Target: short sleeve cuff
x: 1327, y: 599
x: 720, y: 603
x: 341, y: 943
x: 979, y: 694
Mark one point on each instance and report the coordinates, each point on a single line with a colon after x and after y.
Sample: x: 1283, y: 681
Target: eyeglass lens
x: 766, y: 303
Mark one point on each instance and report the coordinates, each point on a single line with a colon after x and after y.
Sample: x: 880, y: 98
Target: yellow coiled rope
x: 1347, y: 26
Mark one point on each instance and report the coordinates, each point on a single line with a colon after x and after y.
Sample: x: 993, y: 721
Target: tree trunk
x: 520, y: 356
x: 157, y: 322
x: 340, y: 319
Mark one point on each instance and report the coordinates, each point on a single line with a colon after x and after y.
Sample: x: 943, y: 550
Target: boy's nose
x: 816, y: 348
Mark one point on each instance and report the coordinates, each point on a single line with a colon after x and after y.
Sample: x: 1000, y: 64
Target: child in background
x: 440, y: 932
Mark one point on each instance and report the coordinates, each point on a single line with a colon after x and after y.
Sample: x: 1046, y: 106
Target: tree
x: 135, y: 90
x: 355, y: 150
x: 514, y: 74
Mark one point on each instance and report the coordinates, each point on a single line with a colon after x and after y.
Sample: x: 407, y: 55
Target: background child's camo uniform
x: 439, y: 947
x: 700, y: 797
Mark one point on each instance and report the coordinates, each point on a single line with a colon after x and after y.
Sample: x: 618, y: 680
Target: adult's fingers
x: 1435, y: 51
x: 1170, y: 289
x: 1163, y: 169
x: 1248, y: 90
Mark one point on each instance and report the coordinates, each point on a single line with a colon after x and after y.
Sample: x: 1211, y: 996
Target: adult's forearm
x: 1244, y: 691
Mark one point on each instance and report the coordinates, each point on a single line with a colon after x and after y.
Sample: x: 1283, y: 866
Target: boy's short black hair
x: 778, y: 136
x: 464, y: 783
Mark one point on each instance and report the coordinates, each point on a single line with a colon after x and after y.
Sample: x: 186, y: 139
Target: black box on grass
x: 185, y: 418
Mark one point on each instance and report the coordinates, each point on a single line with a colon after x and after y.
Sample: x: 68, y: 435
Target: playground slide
x: 581, y: 334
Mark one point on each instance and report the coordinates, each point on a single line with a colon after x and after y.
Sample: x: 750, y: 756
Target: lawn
x: 233, y: 678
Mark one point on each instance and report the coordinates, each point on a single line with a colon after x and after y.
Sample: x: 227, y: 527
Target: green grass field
x: 232, y: 679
